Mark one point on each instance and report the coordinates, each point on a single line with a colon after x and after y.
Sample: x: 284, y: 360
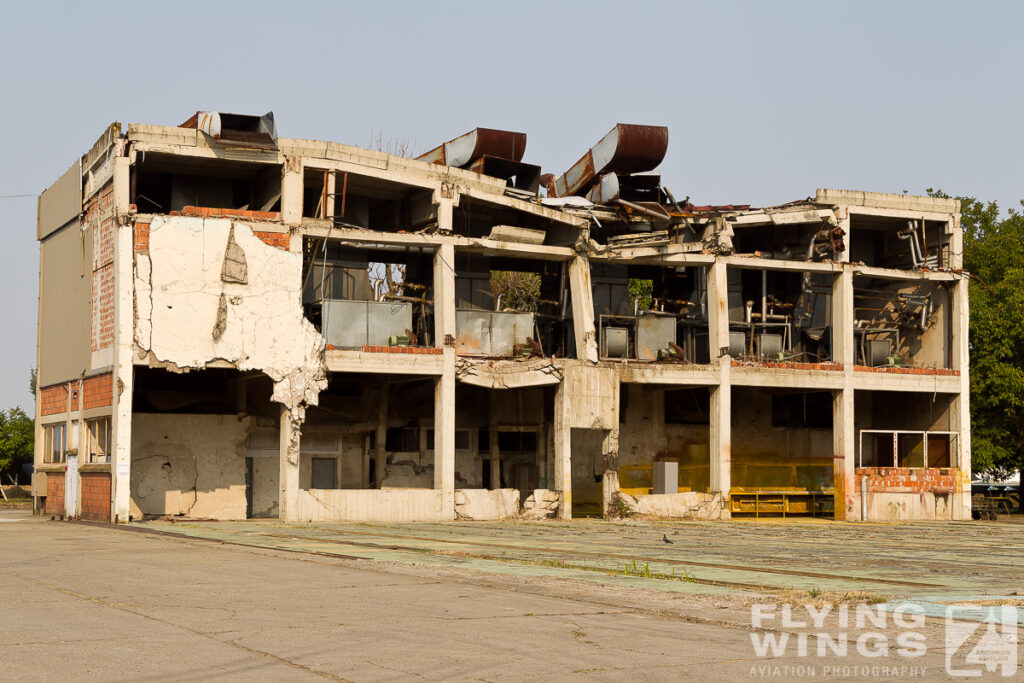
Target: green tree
x: 994, y: 255
x: 17, y: 437
x: 519, y: 291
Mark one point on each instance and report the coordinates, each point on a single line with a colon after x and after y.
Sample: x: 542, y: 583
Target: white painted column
x: 563, y: 450
x: 846, y: 500
x: 124, y: 347
x: 582, y: 295
x: 291, y: 434
x: 444, y: 393
x: 720, y: 441
x: 960, y: 410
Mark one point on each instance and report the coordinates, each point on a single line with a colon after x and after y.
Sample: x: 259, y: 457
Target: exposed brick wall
x: 908, y: 479
x: 141, y: 237
x: 54, y: 399
x: 96, y: 496
x: 98, y: 391
x: 99, y: 215
x: 54, y: 493
x: 421, y: 350
x: 788, y: 366
x: 909, y: 371
x: 274, y: 239
x: 211, y: 212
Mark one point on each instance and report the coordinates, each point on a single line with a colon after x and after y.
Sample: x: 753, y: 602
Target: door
x: 324, y: 473
x: 71, y: 487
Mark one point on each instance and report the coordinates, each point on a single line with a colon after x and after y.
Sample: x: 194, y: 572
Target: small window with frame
x: 55, y: 442
x: 99, y: 440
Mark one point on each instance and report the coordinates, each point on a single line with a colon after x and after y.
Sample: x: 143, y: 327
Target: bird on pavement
x: 666, y: 539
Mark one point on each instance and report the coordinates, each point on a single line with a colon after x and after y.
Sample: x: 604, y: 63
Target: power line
x: 12, y: 196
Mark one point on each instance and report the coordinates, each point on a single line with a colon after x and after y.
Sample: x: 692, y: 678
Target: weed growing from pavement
x: 645, y: 572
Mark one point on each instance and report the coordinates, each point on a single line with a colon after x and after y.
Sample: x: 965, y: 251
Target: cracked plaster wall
x: 192, y: 465
x: 210, y: 290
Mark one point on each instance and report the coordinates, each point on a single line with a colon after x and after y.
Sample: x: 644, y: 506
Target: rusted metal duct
x: 495, y: 153
x: 626, y: 149
x: 477, y: 143
x: 636, y: 188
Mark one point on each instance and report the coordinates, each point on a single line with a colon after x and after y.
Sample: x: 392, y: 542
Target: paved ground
x: 468, y: 601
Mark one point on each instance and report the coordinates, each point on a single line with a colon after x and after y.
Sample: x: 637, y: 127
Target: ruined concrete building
x: 234, y: 324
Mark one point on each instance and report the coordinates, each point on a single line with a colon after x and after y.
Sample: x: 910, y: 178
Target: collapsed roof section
x: 614, y: 187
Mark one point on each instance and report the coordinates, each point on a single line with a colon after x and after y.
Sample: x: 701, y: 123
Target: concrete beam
x: 754, y: 376
x: 490, y: 247
x: 669, y: 374
x: 348, y: 360
x: 756, y: 263
x: 894, y: 274
x: 887, y: 381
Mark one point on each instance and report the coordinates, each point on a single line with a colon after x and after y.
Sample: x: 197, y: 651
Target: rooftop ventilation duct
x: 236, y: 129
x: 492, y: 152
x: 625, y: 150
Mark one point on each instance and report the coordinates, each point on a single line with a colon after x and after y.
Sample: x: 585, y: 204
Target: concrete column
x: 291, y: 433
x: 960, y: 410
x: 38, y: 444
x: 444, y: 394
x: 380, y: 453
x: 718, y: 310
x: 563, y: 451
x: 843, y: 343
x: 493, y: 447
x: 846, y: 502
x: 124, y: 347
x: 582, y: 295
x: 445, y: 211
x: 291, y: 191
x: 843, y: 217
x: 720, y: 443
x: 444, y: 435
x: 610, y: 453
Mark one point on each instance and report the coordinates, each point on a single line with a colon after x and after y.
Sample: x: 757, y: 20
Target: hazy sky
x: 764, y: 101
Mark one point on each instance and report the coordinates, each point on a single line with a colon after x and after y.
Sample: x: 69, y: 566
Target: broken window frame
x: 98, y: 434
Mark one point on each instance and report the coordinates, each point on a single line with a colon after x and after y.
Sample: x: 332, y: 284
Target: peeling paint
x: 210, y: 290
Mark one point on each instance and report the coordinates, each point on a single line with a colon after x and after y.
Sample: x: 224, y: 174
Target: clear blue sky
x: 764, y: 101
